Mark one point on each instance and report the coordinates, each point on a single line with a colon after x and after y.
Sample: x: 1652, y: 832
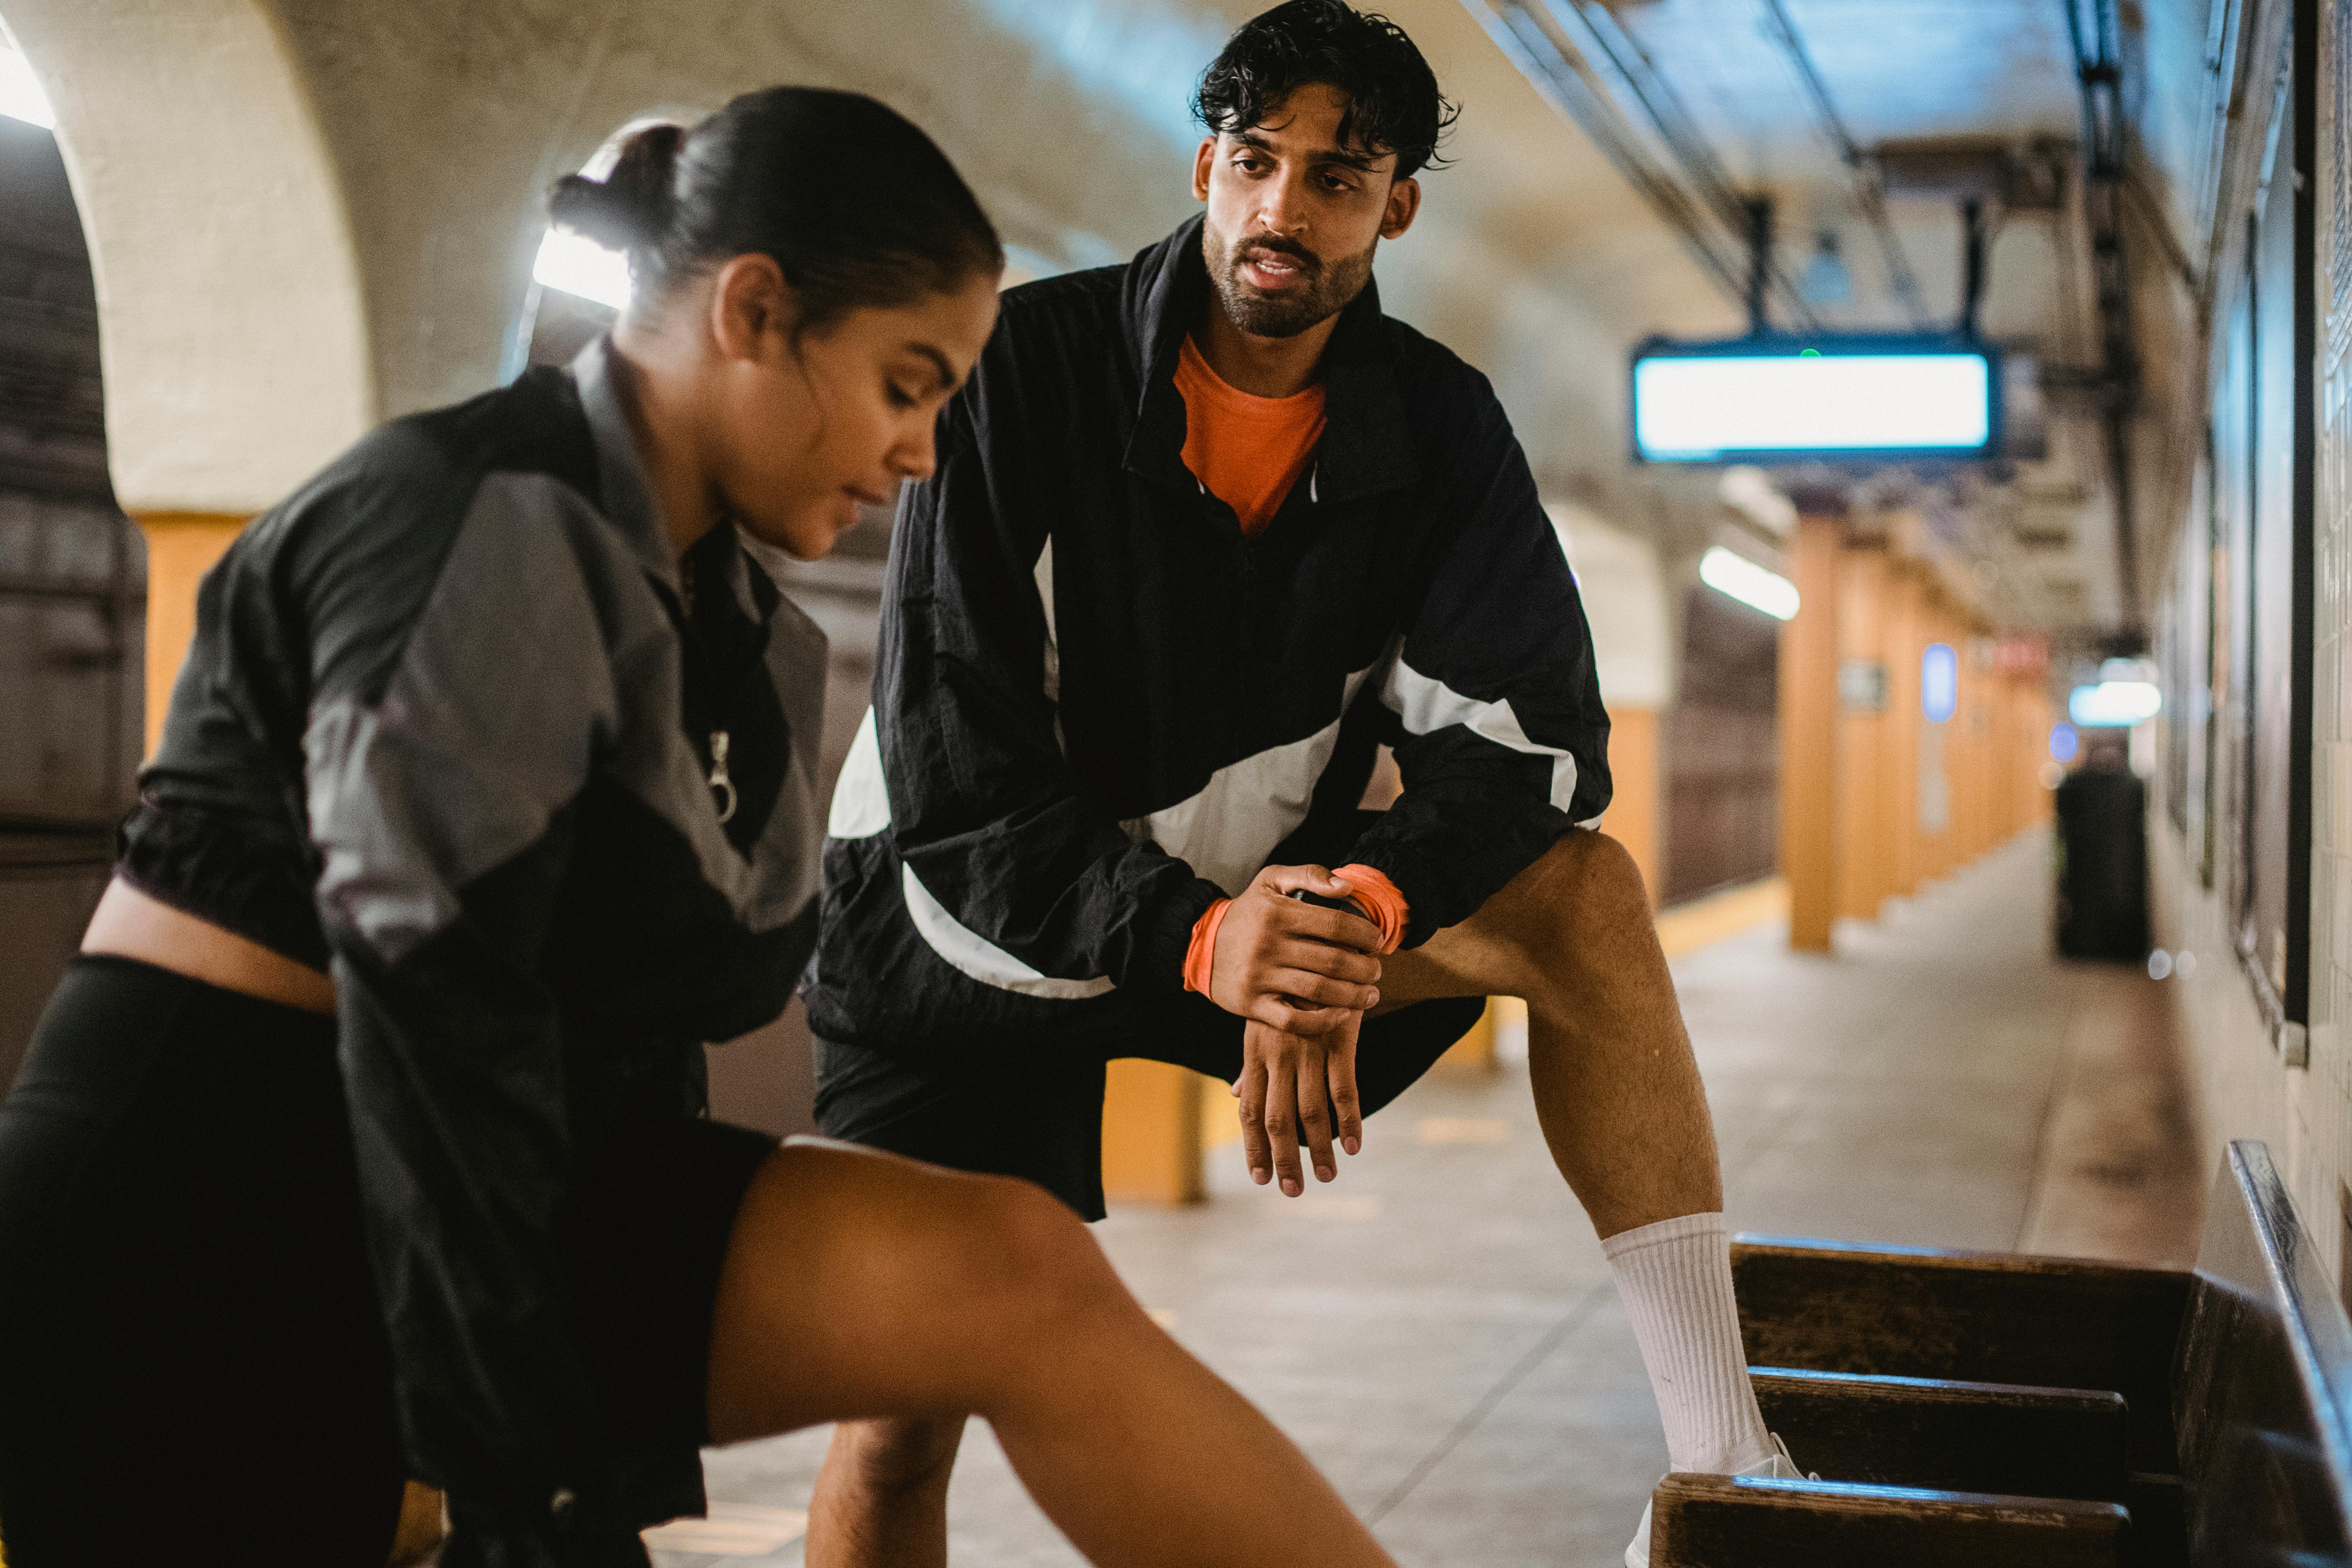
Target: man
x: 1207, y: 529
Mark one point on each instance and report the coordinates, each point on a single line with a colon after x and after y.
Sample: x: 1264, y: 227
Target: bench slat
x: 1971, y: 1316
x: 2000, y: 1437
x: 1738, y: 1521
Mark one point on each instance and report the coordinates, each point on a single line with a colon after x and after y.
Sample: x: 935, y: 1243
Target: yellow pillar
x: 2044, y: 802
x: 1635, y: 779
x: 1865, y: 833
x: 1971, y: 789
x: 1152, y: 1132
x: 180, y: 547
x: 1905, y: 614
x: 1809, y: 737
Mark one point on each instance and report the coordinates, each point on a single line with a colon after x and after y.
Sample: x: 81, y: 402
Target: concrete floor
x: 1437, y: 1328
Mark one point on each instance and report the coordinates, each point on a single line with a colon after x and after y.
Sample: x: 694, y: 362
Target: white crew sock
x: 1675, y: 1278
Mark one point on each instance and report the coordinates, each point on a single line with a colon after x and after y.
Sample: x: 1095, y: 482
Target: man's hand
x: 1293, y: 1085
x: 1291, y: 965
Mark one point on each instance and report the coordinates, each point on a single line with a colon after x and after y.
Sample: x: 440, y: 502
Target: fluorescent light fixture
x: 2112, y: 703
x: 21, y: 97
x: 1940, y: 682
x: 1730, y: 574
x: 1774, y: 399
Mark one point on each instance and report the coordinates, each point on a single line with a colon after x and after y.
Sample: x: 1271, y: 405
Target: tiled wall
x: 2249, y: 1086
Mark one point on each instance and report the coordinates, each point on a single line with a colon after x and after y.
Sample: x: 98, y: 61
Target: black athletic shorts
x: 193, y: 1366
x: 1039, y: 1115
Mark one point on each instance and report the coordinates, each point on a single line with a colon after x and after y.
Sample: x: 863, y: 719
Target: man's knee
x: 1589, y: 863
x: 1585, y: 888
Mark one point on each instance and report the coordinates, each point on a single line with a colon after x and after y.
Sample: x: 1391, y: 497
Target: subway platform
x: 1437, y: 1328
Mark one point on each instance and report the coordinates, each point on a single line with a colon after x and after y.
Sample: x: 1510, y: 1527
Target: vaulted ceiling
x: 435, y: 125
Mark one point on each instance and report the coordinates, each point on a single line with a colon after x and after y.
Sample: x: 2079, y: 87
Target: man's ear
x: 1404, y: 204
x: 751, y: 309
x: 1201, y: 163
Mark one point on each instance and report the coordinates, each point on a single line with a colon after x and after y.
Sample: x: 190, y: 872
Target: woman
x: 363, y: 1138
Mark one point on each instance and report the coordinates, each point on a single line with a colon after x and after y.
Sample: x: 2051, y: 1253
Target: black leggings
x: 193, y: 1369
x: 193, y: 1366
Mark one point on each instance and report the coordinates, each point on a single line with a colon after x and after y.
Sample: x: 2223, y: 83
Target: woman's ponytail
x: 858, y: 206
x: 630, y: 208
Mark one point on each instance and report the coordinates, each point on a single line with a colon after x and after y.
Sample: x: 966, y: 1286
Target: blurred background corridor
x: 1980, y: 721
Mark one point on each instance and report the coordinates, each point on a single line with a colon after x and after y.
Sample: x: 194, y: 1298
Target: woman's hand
x: 1294, y: 966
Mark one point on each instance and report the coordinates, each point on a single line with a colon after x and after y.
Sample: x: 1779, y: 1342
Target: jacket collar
x: 1366, y: 445
x: 627, y: 497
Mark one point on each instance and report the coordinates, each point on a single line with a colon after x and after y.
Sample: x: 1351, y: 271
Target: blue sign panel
x: 1940, y: 682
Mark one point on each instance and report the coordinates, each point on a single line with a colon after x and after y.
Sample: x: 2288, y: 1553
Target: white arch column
x: 232, y: 325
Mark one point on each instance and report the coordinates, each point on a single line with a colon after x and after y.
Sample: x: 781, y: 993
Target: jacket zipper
x: 719, y: 782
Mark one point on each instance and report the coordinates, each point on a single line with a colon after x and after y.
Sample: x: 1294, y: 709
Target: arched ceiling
x: 339, y: 205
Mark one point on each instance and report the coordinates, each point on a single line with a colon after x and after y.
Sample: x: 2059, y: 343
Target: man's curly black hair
x: 1393, y: 104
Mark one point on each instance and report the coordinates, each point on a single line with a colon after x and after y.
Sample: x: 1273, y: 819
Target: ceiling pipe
x: 1862, y: 169
x: 1759, y: 264
x: 1973, y: 265
x: 2095, y: 29
x: 1687, y: 187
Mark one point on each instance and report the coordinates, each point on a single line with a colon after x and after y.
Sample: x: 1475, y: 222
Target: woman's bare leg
x: 859, y: 1285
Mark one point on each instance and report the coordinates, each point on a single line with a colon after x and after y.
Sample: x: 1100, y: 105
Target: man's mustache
x: 1278, y: 246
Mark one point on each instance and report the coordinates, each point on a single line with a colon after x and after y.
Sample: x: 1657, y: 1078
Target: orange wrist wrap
x: 1381, y: 900
x: 1203, y: 951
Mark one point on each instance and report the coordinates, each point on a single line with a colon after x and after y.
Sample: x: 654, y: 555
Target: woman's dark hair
x: 1393, y: 104
x: 858, y: 206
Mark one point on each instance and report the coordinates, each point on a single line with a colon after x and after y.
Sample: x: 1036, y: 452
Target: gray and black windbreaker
x: 1099, y: 707
x: 446, y: 729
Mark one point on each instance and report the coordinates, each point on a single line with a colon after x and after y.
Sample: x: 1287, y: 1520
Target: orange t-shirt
x: 1248, y: 451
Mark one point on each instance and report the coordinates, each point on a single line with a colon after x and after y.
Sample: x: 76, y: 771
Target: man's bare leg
x: 1618, y: 1093
x: 882, y: 1496
x: 1616, y: 1086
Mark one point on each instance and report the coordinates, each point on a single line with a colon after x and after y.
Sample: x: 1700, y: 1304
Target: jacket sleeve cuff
x: 1163, y: 935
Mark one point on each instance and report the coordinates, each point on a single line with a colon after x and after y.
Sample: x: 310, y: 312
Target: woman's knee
x: 1030, y: 1258
x: 901, y: 1458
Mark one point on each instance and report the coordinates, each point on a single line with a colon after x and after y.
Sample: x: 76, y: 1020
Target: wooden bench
x: 1988, y: 1408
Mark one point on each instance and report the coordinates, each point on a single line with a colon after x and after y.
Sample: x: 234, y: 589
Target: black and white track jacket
x: 1099, y: 707
x: 447, y: 729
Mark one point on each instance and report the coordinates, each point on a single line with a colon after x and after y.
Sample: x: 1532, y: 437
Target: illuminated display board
x: 1750, y: 400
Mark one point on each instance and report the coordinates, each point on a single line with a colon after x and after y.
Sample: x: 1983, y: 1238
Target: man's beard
x: 1329, y: 288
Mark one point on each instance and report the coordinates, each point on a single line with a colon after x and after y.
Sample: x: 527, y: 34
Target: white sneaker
x: 1776, y: 1465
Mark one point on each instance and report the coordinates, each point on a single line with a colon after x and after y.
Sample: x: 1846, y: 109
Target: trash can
x: 2102, y: 852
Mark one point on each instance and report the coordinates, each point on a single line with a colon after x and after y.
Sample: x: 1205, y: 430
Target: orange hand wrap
x: 1381, y: 900
x: 1202, y: 953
